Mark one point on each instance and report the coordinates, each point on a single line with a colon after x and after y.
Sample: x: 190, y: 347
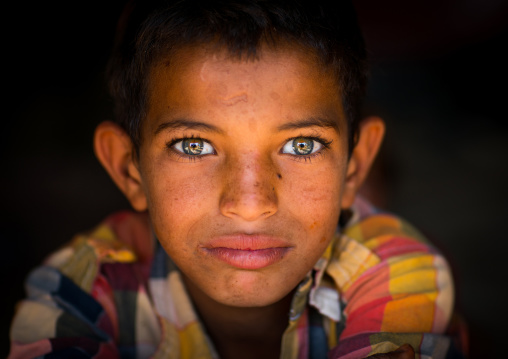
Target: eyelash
x: 182, y: 156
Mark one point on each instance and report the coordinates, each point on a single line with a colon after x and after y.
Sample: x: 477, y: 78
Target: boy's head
x: 241, y: 151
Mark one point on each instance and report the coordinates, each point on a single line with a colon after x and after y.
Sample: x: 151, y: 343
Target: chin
x: 262, y: 296
x: 250, y: 301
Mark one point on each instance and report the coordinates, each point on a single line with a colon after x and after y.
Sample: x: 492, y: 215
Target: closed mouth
x: 248, y: 251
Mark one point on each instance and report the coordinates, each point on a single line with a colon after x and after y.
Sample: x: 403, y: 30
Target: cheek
x: 313, y: 196
x: 177, y: 198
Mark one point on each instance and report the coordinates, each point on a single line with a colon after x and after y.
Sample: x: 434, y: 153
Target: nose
x: 249, y: 192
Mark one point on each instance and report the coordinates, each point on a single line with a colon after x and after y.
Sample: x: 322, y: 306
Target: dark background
x: 439, y: 79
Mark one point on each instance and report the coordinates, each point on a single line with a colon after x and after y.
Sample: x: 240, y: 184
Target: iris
x: 303, y: 145
x: 192, y: 146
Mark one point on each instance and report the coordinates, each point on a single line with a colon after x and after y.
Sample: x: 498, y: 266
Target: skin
x: 243, y: 100
x: 251, y: 183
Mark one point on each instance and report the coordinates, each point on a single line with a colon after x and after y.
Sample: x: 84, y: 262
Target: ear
x: 114, y: 150
x: 371, y: 133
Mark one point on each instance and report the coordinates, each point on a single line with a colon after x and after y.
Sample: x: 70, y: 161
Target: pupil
x: 192, y: 146
x: 303, y: 146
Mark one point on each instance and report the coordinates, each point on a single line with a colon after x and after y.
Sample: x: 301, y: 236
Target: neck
x: 242, y: 331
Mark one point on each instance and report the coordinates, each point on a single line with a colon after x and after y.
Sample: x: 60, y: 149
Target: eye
x: 302, y: 146
x: 193, y: 147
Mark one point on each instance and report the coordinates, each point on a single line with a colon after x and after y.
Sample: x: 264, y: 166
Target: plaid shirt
x: 114, y: 293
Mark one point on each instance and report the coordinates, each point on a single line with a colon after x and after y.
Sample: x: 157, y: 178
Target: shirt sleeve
x: 58, y: 319
x: 396, y: 289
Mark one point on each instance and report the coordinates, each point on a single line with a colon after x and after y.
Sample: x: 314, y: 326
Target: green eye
x: 302, y: 146
x: 193, y: 147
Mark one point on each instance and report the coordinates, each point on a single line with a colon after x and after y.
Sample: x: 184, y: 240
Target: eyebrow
x: 187, y: 124
x: 310, y: 122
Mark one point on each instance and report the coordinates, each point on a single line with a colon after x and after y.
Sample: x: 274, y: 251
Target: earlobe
x: 371, y: 133
x: 114, y: 150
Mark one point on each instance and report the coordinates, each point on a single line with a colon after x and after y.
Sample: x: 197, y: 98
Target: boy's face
x: 243, y: 166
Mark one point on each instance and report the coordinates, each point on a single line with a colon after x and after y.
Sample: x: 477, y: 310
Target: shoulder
x: 384, y: 269
x: 79, y: 289
x: 396, y: 287
x: 123, y: 237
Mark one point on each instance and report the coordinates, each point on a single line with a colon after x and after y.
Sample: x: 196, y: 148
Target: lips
x: 247, y: 251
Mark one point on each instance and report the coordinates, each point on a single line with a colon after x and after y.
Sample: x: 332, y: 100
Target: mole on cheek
x: 279, y: 175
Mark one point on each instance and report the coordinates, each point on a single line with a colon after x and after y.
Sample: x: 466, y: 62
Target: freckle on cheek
x: 322, y: 240
x: 274, y: 95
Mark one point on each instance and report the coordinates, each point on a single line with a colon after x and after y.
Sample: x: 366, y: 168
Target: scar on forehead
x: 234, y: 99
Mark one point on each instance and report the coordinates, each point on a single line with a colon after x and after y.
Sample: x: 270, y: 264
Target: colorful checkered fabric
x: 114, y: 293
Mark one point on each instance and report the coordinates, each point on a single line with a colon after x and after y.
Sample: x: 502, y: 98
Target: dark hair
x: 150, y: 31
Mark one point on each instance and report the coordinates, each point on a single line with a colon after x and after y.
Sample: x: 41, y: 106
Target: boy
x: 238, y: 142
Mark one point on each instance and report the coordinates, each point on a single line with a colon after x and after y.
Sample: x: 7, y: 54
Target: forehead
x: 285, y: 80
